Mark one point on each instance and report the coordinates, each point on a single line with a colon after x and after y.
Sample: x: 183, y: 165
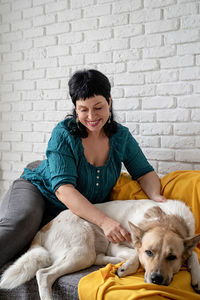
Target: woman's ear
x: 110, y: 101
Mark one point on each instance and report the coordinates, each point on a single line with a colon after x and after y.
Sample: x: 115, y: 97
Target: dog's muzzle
x: 156, y: 278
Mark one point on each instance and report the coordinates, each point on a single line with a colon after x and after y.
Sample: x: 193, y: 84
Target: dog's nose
x: 156, y: 278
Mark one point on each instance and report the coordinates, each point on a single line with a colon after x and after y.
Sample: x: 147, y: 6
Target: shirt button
x: 98, y: 171
x: 97, y: 184
x: 97, y: 177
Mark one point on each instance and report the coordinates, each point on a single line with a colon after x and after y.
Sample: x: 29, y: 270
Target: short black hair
x: 86, y: 84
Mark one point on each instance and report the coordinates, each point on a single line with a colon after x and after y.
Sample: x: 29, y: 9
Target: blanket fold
x: 104, y: 284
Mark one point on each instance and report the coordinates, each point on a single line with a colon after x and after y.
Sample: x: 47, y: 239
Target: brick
x: 180, y: 10
x: 21, y: 147
x: 11, y: 36
x: 4, y: 28
x: 39, y: 148
x: 145, y: 15
x: 47, y: 84
x: 159, y: 154
x: 33, y: 116
x: 34, y: 74
x: 181, y: 36
x: 22, y: 65
x: 126, y: 6
x: 24, y: 85
x: 168, y: 167
x: 43, y: 20
x: 190, y: 129
x: 55, y: 6
x: 111, y: 68
x: 195, y: 116
x: 158, y: 103
x: 128, y: 79
x: 125, y: 104
x: 11, y: 137
x: 14, y: 56
x: 27, y: 157
x: 116, y: 20
x: 69, y: 15
x: 158, y: 3
x: 190, y: 73
x: 58, y: 28
x: 84, y: 24
x: 99, y: 57
x: 12, y: 76
x: 54, y: 116
x: 20, y: 25
x: 161, y: 76
x: 149, y: 142
x: 4, y: 48
x: 177, y: 115
x: 57, y: 50
x: 58, y: 72
x: 190, y: 48
x: 32, y: 12
x: 32, y: 33
x: 78, y: 3
x: 173, y: 89
x: 146, y: 41
x: 71, y: 60
x: 126, y: 55
x: 143, y: 65
x: 191, y: 101
x: 86, y: 47
x: 22, y: 126
x: 156, y: 52
x: 70, y: 38
x: 156, y: 129
x: 96, y: 11
x: 22, y: 45
x: 19, y: 5
x: 128, y: 31
x: 46, y: 63
x: 161, y: 26
x: 100, y: 34
x: 188, y: 155
x: 33, y: 137
x: 145, y: 90
x: 11, y: 16
x: 190, y: 21
x: 43, y: 127
x: 177, y: 62
x: 22, y: 106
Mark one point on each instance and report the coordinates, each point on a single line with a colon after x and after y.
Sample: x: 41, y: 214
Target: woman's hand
x: 158, y: 198
x: 114, y: 231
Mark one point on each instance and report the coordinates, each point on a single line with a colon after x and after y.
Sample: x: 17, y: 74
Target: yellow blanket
x: 105, y: 285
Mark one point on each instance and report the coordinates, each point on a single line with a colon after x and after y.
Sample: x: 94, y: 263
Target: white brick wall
x: 149, y: 49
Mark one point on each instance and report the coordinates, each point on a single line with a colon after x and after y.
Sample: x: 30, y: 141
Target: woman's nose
x: 91, y: 114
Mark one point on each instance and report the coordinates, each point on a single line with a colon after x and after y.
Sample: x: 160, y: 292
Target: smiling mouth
x: 93, y: 123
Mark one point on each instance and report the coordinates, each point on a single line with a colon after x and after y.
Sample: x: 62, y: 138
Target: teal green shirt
x: 67, y: 164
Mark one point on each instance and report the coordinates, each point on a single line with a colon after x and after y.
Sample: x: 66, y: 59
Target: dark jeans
x: 22, y: 213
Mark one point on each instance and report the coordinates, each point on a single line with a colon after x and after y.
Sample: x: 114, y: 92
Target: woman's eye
x: 98, y: 108
x: 149, y: 253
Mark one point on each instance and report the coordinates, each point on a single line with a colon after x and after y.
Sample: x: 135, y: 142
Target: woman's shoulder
x: 122, y: 132
x: 61, y: 133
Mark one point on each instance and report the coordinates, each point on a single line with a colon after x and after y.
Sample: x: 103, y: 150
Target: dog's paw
x: 123, y: 270
x: 196, y: 281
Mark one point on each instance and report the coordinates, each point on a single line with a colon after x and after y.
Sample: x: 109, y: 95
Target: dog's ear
x: 136, y: 235
x: 190, y: 243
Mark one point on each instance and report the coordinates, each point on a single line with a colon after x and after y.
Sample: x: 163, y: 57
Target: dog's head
x: 162, y: 245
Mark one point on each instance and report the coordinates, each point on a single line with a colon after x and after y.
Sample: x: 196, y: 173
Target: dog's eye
x: 149, y: 253
x: 171, y: 257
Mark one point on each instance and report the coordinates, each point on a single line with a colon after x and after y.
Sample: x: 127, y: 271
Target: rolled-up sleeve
x: 61, y: 160
x: 134, y: 159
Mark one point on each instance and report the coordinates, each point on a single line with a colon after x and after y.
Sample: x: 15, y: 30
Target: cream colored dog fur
x: 162, y: 239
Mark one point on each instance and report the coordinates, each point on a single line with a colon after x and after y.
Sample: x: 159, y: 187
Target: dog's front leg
x: 131, y: 264
x: 129, y: 267
x: 194, y: 268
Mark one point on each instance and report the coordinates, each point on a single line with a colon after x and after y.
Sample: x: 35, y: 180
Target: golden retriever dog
x: 163, y: 239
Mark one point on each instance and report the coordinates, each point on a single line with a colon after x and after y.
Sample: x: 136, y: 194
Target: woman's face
x: 93, y: 112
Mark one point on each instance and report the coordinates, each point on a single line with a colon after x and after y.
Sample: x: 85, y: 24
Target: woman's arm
x: 150, y: 184
x: 80, y: 206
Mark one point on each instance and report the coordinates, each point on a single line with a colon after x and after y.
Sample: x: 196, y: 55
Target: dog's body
x: 162, y: 239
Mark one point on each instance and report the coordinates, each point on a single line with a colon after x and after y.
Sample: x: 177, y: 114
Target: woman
x: 84, y: 158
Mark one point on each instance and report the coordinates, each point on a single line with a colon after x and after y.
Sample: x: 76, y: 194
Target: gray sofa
x: 65, y: 287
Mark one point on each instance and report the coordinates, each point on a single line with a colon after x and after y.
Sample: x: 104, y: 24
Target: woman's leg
x: 21, y: 214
